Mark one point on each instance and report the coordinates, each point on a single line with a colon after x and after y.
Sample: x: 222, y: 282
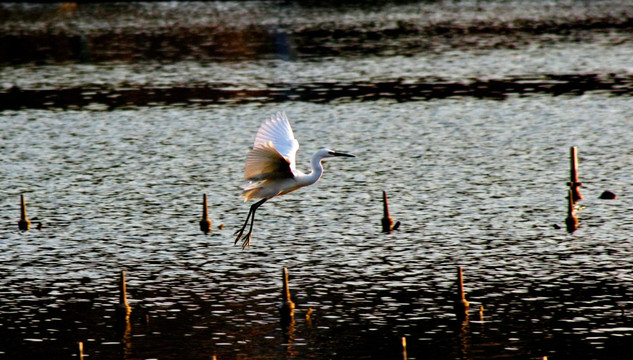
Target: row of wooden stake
x: 286, y: 307
x: 205, y: 223
x: 387, y: 222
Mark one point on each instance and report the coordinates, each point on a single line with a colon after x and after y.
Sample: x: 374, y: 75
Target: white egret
x: 270, y: 167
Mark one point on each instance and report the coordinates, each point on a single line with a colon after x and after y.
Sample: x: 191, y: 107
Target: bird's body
x: 271, y: 167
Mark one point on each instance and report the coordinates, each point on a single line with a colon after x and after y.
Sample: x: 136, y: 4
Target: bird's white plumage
x: 270, y: 167
x: 271, y: 158
x: 277, y: 130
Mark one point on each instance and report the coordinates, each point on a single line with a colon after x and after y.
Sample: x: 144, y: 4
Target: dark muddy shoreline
x: 319, y: 92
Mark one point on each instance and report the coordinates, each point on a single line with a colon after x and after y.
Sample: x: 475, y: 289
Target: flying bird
x: 271, y: 168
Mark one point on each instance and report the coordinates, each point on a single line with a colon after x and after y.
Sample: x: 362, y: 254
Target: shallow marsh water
x: 475, y: 182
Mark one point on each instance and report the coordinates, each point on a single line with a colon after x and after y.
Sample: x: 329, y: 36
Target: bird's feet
x: 246, y: 239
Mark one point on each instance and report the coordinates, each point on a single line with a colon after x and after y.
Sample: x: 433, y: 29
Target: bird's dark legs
x: 251, y: 216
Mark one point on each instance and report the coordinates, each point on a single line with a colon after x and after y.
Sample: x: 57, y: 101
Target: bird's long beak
x: 336, y: 153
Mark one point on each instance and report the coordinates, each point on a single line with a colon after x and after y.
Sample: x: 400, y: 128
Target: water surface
x: 476, y: 181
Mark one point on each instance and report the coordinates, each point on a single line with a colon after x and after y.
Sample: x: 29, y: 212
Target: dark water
x: 463, y: 111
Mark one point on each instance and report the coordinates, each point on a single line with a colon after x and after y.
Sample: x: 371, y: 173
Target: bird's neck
x: 312, y: 177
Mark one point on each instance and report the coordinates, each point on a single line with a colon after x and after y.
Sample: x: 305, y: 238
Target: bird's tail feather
x: 251, y: 190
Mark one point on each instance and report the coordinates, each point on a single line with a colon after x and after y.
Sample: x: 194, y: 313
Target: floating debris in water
x: 608, y: 195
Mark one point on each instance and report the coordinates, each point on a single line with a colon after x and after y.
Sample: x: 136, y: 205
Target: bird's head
x: 327, y: 153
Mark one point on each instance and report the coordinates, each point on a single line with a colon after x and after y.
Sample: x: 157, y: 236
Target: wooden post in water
x: 404, y: 348
x: 461, y: 304
x: 387, y: 221
x: 24, y: 223
x: 81, y: 351
x: 123, y: 309
x: 573, y: 174
x: 205, y: 223
x: 571, y: 221
x: 287, y: 307
x: 309, y: 317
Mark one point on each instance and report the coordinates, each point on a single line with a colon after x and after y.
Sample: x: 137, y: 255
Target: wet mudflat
x: 470, y: 138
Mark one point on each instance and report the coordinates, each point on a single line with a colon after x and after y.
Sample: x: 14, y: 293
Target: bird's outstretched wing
x: 278, y: 131
x: 274, y: 151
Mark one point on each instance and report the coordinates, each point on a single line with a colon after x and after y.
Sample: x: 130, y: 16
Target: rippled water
x: 475, y: 183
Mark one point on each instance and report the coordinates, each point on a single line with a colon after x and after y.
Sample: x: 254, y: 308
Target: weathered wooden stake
x: 81, y: 351
x: 387, y: 221
x: 571, y: 221
x: 24, y: 223
x: 573, y: 174
x: 205, y: 223
x: 309, y: 317
x: 287, y: 307
x: 481, y: 313
x: 404, y: 348
x: 123, y: 310
x: 461, y: 304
